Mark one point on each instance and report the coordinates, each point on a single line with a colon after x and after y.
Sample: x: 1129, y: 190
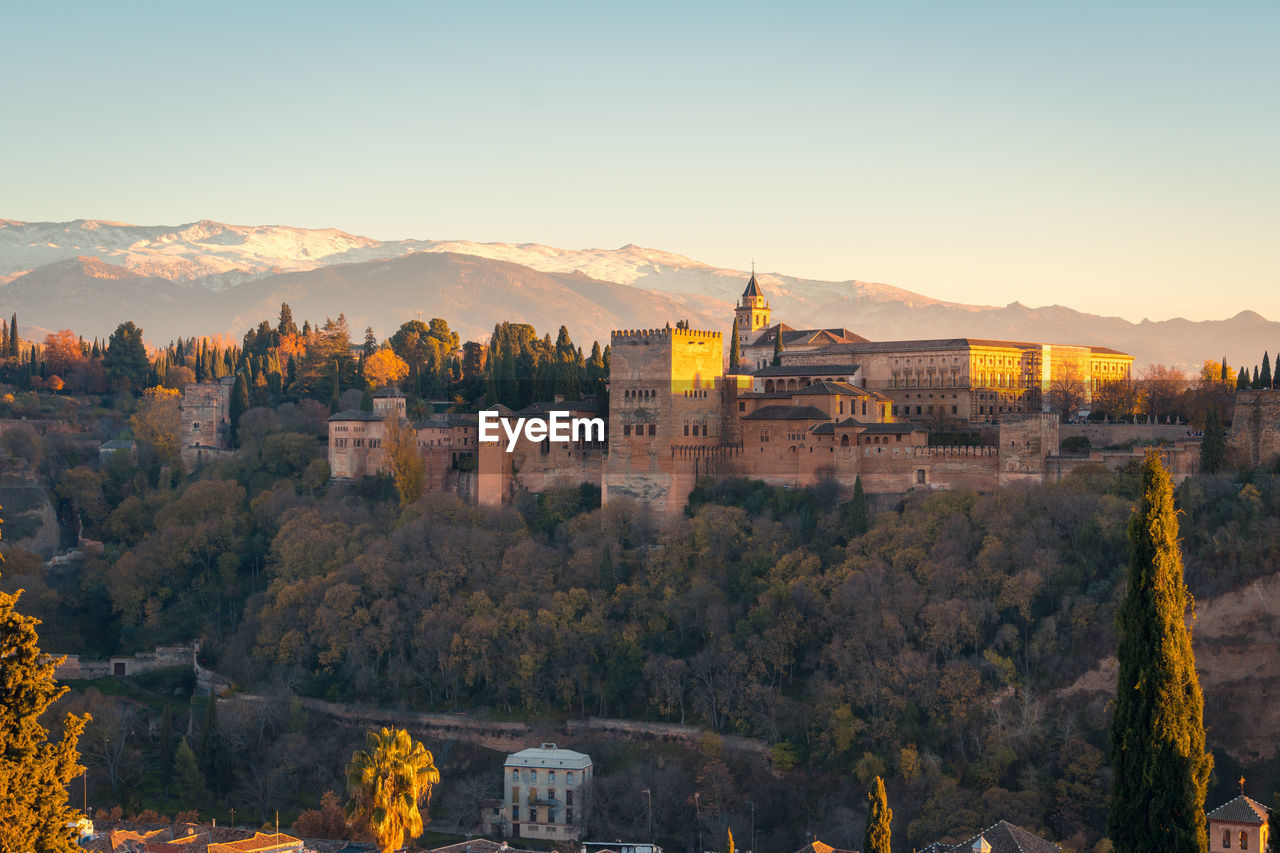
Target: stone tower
x: 752, y: 314
x: 665, y: 412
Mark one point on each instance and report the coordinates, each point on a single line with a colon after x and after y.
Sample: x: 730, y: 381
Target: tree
x: 211, y: 761
x: 384, y: 368
x: 1213, y: 447
x: 126, y: 358
x: 1242, y: 378
x: 34, y: 771
x: 62, y: 352
x: 778, y: 347
x: 239, y: 404
x: 735, y: 351
x: 1264, y: 378
x: 286, y: 326
x: 13, y: 335
x: 157, y: 423
x: 876, y: 838
x: 388, y: 781
x: 166, y: 747
x: 328, y: 821
x: 1157, y: 729
x: 403, y: 460
x: 855, y: 511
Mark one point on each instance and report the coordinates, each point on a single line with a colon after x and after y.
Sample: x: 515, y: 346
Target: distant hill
x: 210, y: 277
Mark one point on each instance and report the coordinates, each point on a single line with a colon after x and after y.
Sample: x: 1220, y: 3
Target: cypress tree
x: 735, y: 352
x: 239, y: 404
x: 1225, y: 378
x: 778, y: 347
x: 366, y: 400
x: 4, y: 338
x: 167, y: 747
x: 34, y: 772
x: 1157, y: 729
x: 13, y: 335
x: 208, y: 748
x: 1264, y: 379
x: 1213, y: 447
x: 1242, y: 378
x: 876, y: 839
x: 856, y: 511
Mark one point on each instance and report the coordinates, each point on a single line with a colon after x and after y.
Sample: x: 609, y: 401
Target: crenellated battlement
x: 664, y: 334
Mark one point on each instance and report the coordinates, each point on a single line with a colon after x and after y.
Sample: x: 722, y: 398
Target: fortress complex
x: 825, y: 405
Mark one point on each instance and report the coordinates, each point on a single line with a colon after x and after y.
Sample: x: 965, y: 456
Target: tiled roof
x: 356, y: 415
x: 1003, y: 837
x: 477, y: 845
x: 1240, y: 810
x: 570, y: 406
x: 798, y: 337
x: 864, y: 346
x: 838, y: 369
x: 817, y: 846
x: 787, y: 413
x: 825, y: 387
x: 753, y: 289
x: 883, y: 429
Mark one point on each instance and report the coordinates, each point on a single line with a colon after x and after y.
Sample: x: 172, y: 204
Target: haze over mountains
x: 209, y: 277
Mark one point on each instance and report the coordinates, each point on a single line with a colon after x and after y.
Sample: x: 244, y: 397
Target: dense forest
x: 926, y: 644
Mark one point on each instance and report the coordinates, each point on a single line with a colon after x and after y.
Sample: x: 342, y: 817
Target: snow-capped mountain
x: 212, y: 278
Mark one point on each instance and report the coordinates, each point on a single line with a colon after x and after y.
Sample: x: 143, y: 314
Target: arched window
x: 1226, y: 839
x: 1244, y: 840
x: 844, y: 441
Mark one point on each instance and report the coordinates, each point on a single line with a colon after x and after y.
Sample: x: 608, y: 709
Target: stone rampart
x: 1255, y: 429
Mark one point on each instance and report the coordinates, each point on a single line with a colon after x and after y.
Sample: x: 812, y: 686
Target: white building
x: 546, y: 790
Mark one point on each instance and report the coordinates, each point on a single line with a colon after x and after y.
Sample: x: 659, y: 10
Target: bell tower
x: 752, y: 313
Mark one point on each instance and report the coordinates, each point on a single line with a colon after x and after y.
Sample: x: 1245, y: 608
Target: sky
x: 1121, y: 159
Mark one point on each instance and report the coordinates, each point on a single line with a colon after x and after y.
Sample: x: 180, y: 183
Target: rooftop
x: 1003, y: 837
x: 787, y: 413
x: 838, y: 369
x: 548, y: 755
x: 1242, y: 809
x: 356, y: 415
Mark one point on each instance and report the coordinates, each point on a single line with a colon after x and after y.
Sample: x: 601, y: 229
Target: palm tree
x: 388, y: 781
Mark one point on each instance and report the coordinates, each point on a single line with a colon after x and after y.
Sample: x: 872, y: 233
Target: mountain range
x: 213, y: 278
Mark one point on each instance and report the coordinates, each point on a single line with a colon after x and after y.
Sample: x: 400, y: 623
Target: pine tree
x: 286, y: 326
x: 1264, y: 378
x: 735, y: 349
x: 1213, y: 447
x: 1157, y: 729
x: 34, y: 772
x: 876, y: 838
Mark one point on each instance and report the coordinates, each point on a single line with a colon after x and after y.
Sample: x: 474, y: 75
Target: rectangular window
x: 568, y: 795
x: 653, y: 429
x: 626, y: 429
x: 686, y: 429
x: 515, y: 814
x: 742, y: 407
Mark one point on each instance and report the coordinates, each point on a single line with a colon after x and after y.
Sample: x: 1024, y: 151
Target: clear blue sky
x: 1121, y: 158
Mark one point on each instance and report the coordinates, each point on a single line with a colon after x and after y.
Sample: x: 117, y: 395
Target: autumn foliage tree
x: 384, y: 368
x: 390, y: 784
x: 1157, y: 729
x: 403, y: 460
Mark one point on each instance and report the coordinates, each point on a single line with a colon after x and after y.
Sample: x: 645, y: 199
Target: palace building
x: 825, y: 405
